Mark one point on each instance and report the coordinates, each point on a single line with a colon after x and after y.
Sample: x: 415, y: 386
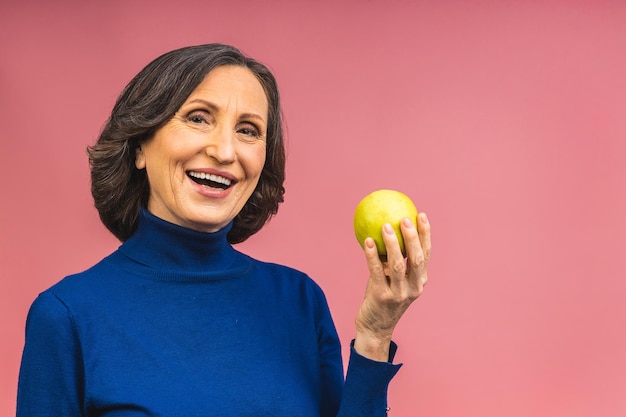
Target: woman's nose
x: 221, y: 146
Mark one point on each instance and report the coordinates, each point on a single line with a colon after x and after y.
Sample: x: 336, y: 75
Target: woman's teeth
x: 210, y: 179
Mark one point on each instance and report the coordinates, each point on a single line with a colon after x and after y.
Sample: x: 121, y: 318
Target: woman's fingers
x: 395, y: 266
x: 409, y: 275
x: 421, y: 262
x: 424, y: 234
x: 405, y: 277
x: 373, y: 260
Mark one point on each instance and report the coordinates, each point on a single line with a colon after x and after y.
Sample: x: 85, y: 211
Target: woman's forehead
x: 231, y: 88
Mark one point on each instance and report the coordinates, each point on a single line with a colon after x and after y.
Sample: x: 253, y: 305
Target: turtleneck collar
x: 169, y: 250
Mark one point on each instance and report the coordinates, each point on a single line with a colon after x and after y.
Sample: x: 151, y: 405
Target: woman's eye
x: 197, y: 118
x: 249, y: 131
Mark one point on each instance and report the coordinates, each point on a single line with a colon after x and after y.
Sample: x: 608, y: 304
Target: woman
x: 176, y: 322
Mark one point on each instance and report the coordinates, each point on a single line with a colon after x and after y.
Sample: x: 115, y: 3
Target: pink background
x: 504, y: 121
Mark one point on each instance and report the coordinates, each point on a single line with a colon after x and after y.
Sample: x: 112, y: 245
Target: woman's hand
x: 392, y: 286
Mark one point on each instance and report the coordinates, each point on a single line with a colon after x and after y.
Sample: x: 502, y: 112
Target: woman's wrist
x: 371, y: 347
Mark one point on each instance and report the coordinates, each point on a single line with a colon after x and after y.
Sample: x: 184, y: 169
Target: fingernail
x: 424, y: 218
x: 388, y: 229
x: 369, y: 242
x: 408, y: 223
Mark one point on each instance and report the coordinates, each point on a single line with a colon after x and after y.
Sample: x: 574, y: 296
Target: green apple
x: 378, y: 208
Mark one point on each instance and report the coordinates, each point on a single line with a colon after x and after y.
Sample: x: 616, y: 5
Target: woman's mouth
x: 210, y: 180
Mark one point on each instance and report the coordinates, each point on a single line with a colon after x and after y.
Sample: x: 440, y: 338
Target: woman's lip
x: 210, y: 192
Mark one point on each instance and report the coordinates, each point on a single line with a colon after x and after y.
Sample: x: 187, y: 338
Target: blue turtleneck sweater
x: 178, y: 323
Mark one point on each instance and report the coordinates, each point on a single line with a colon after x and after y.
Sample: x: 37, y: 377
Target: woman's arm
x: 392, y: 286
x: 50, y: 374
x: 364, y: 391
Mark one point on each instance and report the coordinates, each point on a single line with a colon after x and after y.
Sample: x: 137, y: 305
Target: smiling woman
x: 176, y: 322
x: 206, y: 161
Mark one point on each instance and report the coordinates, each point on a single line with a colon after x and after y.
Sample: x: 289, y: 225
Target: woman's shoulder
x: 78, y: 285
x: 287, y: 275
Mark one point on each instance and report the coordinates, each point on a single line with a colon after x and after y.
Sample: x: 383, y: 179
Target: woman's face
x: 205, y: 162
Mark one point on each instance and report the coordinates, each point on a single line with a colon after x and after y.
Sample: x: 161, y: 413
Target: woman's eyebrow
x: 205, y: 103
x: 216, y: 108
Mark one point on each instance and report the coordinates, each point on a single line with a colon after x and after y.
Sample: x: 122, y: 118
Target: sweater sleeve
x: 50, y: 373
x: 367, y: 381
x: 364, y: 391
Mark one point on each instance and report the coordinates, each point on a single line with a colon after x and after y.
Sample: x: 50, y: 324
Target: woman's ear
x: 140, y: 158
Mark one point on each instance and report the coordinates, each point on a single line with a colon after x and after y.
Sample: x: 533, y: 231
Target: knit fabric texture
x: 177, y: 322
